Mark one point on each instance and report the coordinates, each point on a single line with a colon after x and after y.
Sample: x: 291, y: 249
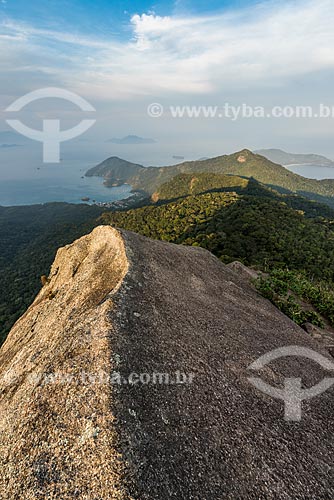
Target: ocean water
x: 312, y: 171
x: 34, y: 191
x: 26, y: 180
x: 66, y: 182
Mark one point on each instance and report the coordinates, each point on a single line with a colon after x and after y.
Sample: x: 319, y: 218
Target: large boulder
x: 128, y: 377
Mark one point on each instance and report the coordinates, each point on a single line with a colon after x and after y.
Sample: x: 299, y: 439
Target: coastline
x: 287, y: 165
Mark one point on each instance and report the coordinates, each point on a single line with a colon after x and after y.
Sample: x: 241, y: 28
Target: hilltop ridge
x: 116, y: 302
x: 243, y: 163
x: 115, y: 171
x: 284, y: 158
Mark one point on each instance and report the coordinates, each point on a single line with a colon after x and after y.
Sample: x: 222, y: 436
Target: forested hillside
x: 289, y: 238
x: 29, y: 239
x: 183, y: 185
x: 254, y: 230
x: 186, y: 184
x: 243, y: 164
x: 233, y: 217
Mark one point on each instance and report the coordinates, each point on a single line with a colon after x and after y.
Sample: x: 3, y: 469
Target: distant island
x: 132, y: 139
x: 284, y: 158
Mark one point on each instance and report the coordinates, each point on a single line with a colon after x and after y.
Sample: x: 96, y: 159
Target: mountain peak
x: 246, y: 152
x: 116, y: 306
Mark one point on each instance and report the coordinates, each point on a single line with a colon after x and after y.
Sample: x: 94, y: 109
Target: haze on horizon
x: 125, y: 56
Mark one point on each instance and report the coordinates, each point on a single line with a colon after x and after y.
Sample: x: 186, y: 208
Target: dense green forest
x: 186, y: 184
x: 274, y: 233
x: 233, y: 217
x: 243, y: 164
x: 183, y: 185
x: 257, y: 231
x: 29, y: 239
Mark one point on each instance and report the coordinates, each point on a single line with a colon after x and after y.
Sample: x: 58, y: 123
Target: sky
x: 123, y: 56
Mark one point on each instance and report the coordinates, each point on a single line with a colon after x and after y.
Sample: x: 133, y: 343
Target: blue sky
x: 94, y: 16
x: 121, y: 56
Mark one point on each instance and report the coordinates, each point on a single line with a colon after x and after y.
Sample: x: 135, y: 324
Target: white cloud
x: 283, y: 41
x: 268, y: 45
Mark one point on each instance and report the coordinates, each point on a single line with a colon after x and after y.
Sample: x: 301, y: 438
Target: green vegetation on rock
x: 289, y: 289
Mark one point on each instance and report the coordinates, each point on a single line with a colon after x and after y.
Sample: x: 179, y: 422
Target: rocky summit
x: 128, y: 378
